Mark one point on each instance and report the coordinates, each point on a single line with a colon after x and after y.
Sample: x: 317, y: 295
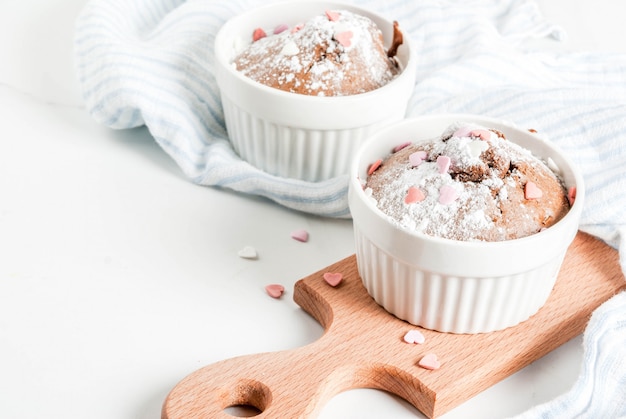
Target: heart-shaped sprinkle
x: 447, y: 195
x: 248, y: 252
x: 414, y: 336
x: 429, y: 362
x: 415, y: 159
x: 332, y: 16
x: 274, y: 290
x: 401, y: 146
x: 443, y: 164
x: 462, y: 132
x: 289, y: 49
x: 297, y: 27
x: 374, y: 167
x: 553, y: 166
x: 333, y: 278
x: 300, y: 235
x: 532, y: 191
x: 571, y: 195
x: 413, y: 195
x: 239, y: 44
x: 476, y: 147
x: 483, y: 134
x: 258, y: 34
x: 280, y: 28
x: 344, y: 38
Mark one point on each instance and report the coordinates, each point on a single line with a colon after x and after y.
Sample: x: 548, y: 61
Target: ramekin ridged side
x: 449, y: 303
x: 456, y: 286
x: 291, y: 152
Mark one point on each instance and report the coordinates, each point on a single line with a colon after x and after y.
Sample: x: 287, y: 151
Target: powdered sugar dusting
x: 480, y: 196
x: 327, y: 57
x: 430, y: 216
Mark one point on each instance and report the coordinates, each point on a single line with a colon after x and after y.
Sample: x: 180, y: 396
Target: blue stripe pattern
x: 150, y: 62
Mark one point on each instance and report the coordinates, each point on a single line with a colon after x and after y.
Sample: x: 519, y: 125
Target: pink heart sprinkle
x: 274, y: 290
x: 297, y: 27
x: 462, y: 132
x: 374, y: 167
x: 532, y: 191
x: 429, y: 362
x: 333, y: 278
x: 447, y: 195
x: 415, y: 159
x: 344, y: 38
x: 413, y: 195
x: 280, y: 28
x: 483, y: 134
x: 332, y: 16
x: 258, y: 34
x: 571, y: 195
x: 300, y: 235
x: 414, y: 336
x: 443, y: 163
x: 401, y: 146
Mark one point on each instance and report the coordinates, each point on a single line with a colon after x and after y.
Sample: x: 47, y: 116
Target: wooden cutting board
x: 363, y: 347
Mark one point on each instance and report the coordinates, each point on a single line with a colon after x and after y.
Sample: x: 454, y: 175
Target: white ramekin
x: 298, y: 136
x: 455, y: 286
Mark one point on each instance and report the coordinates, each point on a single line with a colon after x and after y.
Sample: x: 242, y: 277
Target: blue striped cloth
x: 150, y: 62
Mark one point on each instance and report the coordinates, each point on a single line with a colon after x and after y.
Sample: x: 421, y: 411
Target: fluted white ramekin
x: 298, y: 136
x: 456, y: 286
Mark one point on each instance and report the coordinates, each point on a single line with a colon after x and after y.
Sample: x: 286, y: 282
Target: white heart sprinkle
x: 553, y: 166
x: 414, y: 336
x: 239, y: 44
x: 476, y: 147
x: 289, y: 49
x: 248, y: 252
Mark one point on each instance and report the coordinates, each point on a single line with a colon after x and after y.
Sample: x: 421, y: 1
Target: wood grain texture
x: 363, y: 347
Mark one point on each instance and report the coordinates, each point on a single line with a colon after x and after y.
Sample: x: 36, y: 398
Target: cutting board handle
x: 291, y: 383
x: 297, y: 383
x: 277, y: 384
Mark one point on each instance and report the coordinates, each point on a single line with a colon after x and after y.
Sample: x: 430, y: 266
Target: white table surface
x: 118, y: 277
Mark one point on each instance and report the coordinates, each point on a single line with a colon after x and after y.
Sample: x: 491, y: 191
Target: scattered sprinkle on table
x: 333, y: 278
x: 414, y: 336
x: 429, y: 362
x: 300, y: 235
x: 248, y: 252
x: 274, y: 290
